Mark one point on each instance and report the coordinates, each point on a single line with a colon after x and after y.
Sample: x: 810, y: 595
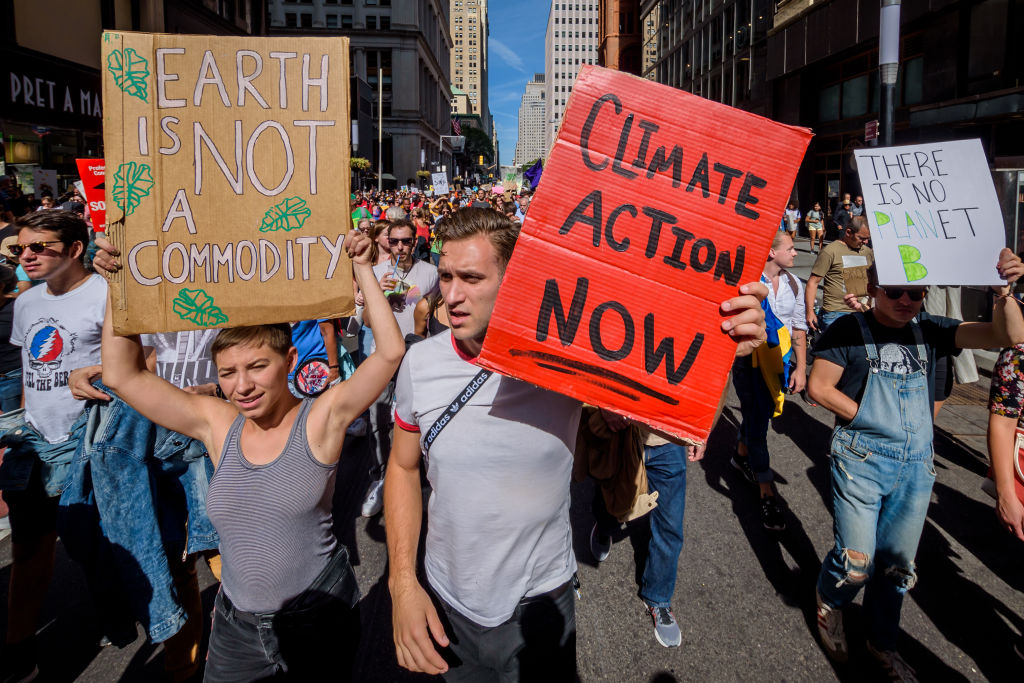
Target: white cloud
x: 506, y: 53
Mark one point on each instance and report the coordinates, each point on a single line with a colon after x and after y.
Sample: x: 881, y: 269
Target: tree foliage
x: 478, y: 144
x: 526, y: 167
x: 359, y: 164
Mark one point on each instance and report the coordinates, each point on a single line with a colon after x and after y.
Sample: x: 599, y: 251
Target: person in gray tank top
x: 288, y: 593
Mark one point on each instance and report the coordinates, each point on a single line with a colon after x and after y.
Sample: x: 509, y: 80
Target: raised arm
x: 1007, y: 326
x: 125, y: 372
x: 337, y: 407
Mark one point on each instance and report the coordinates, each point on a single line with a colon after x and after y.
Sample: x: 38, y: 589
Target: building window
x: 306, y: 20
x: 332, y: 20
x: 385, y: 23
x: 290, y: 20
x: 346, y: 21
x: 371, y: 22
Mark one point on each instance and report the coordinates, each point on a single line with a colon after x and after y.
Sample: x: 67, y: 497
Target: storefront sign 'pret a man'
x: 224, y: 161
x: 654, y: 207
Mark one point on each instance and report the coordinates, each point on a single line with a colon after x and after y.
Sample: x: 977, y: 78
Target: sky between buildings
x: 516, y: 52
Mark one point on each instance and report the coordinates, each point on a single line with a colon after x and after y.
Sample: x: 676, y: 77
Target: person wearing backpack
x: 757, y: 402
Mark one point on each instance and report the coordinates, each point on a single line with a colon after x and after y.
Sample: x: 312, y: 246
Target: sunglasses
x: 36, y: 247
x: 393, y: 241
x: 896, y: 293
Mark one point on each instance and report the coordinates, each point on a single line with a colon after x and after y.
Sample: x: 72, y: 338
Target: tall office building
x: 408, y: 43
x: 469, y: 55
x: 571, y: 41
x: 530, y: 144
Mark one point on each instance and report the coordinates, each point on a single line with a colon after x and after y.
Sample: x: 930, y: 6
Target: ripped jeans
x: 882, y: 476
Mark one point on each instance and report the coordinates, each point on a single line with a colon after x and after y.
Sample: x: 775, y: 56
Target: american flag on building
x: 456, y: 126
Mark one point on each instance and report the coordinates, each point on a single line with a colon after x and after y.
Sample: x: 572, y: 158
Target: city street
x: 744, y: 597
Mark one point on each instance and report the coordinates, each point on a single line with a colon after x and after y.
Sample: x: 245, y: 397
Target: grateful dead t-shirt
x: 57, y: 334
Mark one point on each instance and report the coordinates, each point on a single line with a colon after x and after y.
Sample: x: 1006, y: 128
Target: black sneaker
x: 742, y: 465
x: 771, y: 514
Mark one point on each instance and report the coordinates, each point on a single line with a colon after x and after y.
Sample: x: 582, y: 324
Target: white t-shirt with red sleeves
x: 498, y: 512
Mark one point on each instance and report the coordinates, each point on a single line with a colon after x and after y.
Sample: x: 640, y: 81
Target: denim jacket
x: 26, y: 447
x: 136, y: 493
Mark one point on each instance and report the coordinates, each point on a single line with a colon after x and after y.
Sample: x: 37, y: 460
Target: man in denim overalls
x: 874, y: 370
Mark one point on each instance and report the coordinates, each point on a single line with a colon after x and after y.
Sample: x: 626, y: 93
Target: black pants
x: 316, y: 631
x: 537, y: 643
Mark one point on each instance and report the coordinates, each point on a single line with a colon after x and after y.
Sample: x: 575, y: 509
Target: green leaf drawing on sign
x: 130, y: 71
x: 196, y: 306
x: 288, y: 215
x: 910, y: 255
x: 132, y: 183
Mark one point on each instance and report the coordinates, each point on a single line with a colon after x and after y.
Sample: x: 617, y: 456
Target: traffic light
x: 481, y: 162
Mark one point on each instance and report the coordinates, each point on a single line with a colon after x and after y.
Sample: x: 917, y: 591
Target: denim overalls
x: 882, y: 476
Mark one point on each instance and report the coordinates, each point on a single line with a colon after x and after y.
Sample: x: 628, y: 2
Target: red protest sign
x: 91, y: 171
x: 654, y: 207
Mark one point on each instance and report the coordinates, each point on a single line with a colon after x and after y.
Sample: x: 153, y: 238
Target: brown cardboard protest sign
x: 655, y: 205
x: 227, y: 168
x: 856, y: 280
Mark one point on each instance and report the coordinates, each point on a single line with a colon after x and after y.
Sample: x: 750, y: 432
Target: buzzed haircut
x: 856, y: 223
x: 497, y: 227
x: 277, y: 337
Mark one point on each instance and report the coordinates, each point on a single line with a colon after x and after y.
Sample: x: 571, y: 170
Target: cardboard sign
x: 440, y: 181
x: 91, y: 173
x: 654, y: 207
x: 227, y: 159
x: 933, y: 212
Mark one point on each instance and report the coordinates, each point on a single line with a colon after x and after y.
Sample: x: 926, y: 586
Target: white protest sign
x: 440, y: 181
x: 933, y: 213
x: 45, y: 181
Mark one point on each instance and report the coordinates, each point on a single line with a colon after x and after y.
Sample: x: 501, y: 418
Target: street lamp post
x: 889, y: 65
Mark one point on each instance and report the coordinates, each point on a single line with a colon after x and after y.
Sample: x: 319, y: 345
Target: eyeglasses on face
x: 395, y: 241
x: 36, y: 247
x: 896, y: 293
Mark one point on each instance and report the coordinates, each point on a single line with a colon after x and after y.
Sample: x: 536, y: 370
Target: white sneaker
x: 374, y: 501
x: 895, y: 667
x: 358, y: 427
x: 830, y: 629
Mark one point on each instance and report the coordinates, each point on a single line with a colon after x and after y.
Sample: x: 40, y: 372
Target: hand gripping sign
x: 224, y: 160
x: 654, y: 207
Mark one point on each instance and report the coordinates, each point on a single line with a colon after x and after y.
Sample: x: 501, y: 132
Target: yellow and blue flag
x: 773, y: 358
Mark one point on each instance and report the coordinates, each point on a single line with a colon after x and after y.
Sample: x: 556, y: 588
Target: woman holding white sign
x: 288, y: 596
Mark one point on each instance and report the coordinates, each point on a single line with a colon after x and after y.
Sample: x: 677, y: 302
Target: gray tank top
x: 274, y: 520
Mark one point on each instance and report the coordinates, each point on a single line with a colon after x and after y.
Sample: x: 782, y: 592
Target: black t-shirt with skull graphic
x: 843, y: 345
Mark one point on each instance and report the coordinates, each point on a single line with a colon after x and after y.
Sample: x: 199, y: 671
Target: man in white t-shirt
x: 58, y: 327
x: 405, y: 281
x: 499, y: 560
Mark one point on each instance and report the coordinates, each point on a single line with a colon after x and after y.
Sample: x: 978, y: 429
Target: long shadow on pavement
x: 795, y: 586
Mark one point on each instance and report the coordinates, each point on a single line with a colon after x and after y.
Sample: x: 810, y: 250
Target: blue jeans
x: 829, y: 317
x: 882, y: 476
x: 756, y: 408
x: 666, y: 474
x: 10, y: 391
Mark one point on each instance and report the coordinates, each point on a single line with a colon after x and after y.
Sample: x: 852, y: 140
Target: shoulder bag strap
x: 453, y: 408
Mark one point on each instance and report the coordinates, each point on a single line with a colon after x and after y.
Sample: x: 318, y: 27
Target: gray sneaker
x: 666, y: 630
